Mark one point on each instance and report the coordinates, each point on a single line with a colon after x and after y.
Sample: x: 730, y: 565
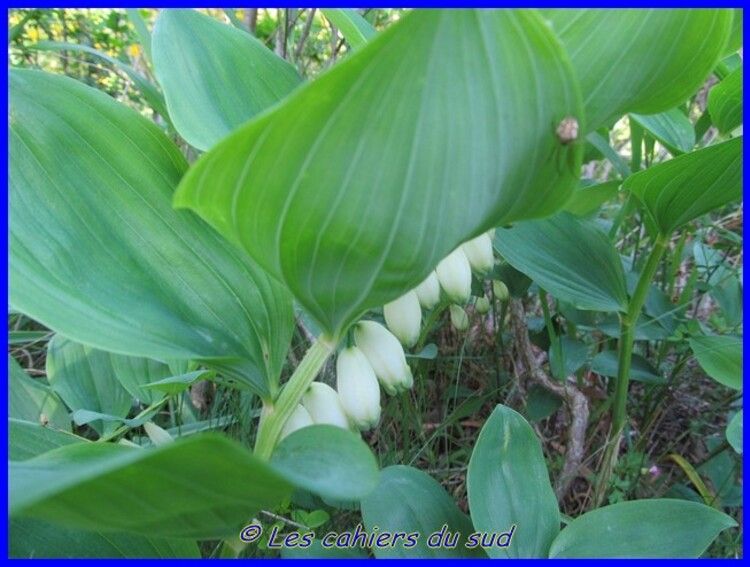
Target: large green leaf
x: 84, y: 378
x: 658, y: 528
x: 27, y: 439
x: 411, y: 502
x: 721, y: 358
x: 354, y: 188
x: 98, y: 253
x: 734, y: 432
x: 354, y: 27
x: 688, y: 186
x: 570, y: 257
x: 607, y: 362
x: 643, y: 61
x: 40, y: 540
x: 134, y: 373
x: 725, y: 102
x: 672, y: 128
x: 328, y: 461
x: 214, y: 76
x: 508, y: 484
x: 31, y: 400
x: 197, y: 487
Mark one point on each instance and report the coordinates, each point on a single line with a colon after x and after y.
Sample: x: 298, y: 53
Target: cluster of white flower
x: 378, y: 359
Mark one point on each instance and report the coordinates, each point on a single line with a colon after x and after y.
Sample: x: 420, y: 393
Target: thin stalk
x: 555, y: 340
x: 276, y: 414
x: 628, y: 323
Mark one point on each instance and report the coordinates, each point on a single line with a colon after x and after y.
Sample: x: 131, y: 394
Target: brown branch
x: 305, y: 33
x: 575, y: 401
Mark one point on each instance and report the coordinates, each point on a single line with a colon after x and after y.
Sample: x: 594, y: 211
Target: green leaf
x: 508, y: 485
x: 734, y: 432
x: 176, y: 384
x: 328, y: 461
x: 606, y: 363
x: 144, y: 36
x: 570, y: 257
x: 379, y: 181
x: 721, y: 358
x: 28, y: 439
x: 688, y: 186
x: 215, y: 77
x: 541, y: 403
x: 198, y: 487
x: 587, y: 199
x: 317, y: 551
x: 643, y: 61
x: 40, y: 540
x: 149, y: 91
x: 672, y: 128
x: 725, y: 102
x: 574, y: 354
x: 31, y: 400
x: 735, y: 36
x: 411, y: 502
x: 98, y: 254
x: 354, y: 27
x: 134, y: 373
x: 658, y: 528
x: 84, y: 378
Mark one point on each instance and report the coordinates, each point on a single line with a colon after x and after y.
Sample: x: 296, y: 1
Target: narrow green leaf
x: 725, y: 102
x: 688, y: 186
x: 135, y: 372
x: 28, y: 337
x: 354, y: 27
x: 215, y: 77
x: 141, y: 30
x: 198, y: 487
x: 508, y: 485
x: 99, y: 254
x: 84, y: 378
x: 379, y: 182
x: 657, y: 528
x: 721, y: 358
x: 34, y: 539
x: 734, y: 42
x: 635, y: 60
x: 599, y: 142
x: 29, y: 439
x: 149, y: 91
x: 606, y: 363
x: 176, y: 384
x: 570, y: 257
x: 328, y: 461
x: 34, y: 401
x: 411, y: 502
x: 587, y: 199
x: 672, y: 128
x: 734, y: 432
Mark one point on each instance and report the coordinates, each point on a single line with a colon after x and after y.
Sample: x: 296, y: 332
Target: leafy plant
x: 177, y: 255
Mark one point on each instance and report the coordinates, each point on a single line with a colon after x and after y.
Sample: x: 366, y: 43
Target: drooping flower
x: 358, y: 388
x: 482, y: 305
x: 459, y: 318
x: 500, y: 290
x: 454, y: 274
x: 404, y: 318
x: 324, y: 405
x: 386, y: 356
x: 479, y: 253
x: 428, y: 292
x: 299, y: 419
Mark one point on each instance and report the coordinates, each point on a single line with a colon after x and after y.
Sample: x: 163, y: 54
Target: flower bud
x: 479, y: 253
x: 454, y: 274
x: 299, y: 419
x: 428, y: 292
x: 500, y: 290
x: 482, y: 305
x: 459, y: 318
x: 157, y: 435
x: 324, y: 406
x: 404, y: 318
x: 386, y: 356
x: 358, y: 388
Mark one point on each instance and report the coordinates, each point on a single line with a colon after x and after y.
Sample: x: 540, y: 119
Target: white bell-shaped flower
x: 479, y: 253
x: 428, y: 292
x: 386, y: 356
x: 404, y: 318
x: 358, y: 388
x: 459, y: 318
x: 299, y: 419
x: 454, y: 274
x: 324, y: 405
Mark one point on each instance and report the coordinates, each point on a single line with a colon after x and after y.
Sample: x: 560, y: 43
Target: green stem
x: 628, y: 322
x: 555, y: 340
x: 275, y: 415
